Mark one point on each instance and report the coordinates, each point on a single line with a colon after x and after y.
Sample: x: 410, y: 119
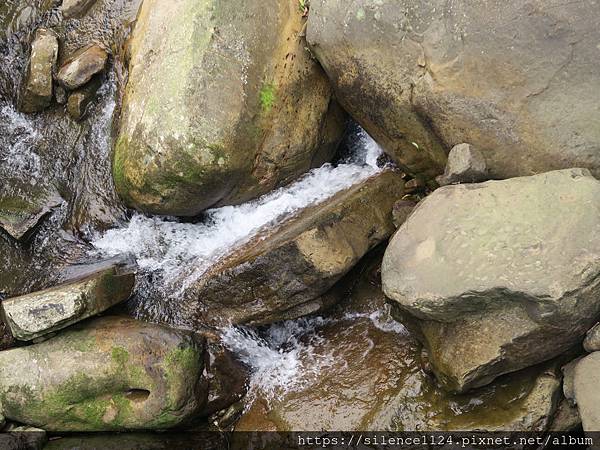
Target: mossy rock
x: 223, y: 103
x: 108, y: 374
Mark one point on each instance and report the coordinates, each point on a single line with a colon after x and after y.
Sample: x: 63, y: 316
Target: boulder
x: 223, y: 103
x: 499, y: 275
x: 587, y: 377
x: 515, y: 79
x: 36, y: 92
x: 465, y: 164
x: 109, y: 374
x: 287, y: 268
x: 82, y: 66
x: 75, y: 8
x: 591, y: 343
x: 33, y: 315
x: 363, y: 371
x: 19, y: 214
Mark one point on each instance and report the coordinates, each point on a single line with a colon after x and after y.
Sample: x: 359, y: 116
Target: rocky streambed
x: 224, y: 218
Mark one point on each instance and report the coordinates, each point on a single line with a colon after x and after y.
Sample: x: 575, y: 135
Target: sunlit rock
x: 499, y: 275
x: 33, y: 315
x: 223, y: 103
x: 36, y: 92
x: 515, y: 79
x: 82, y: 66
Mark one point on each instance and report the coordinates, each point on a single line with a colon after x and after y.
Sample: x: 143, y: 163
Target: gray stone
x: 591, y: 343
x: 20, y: 214
x: 499, y: 275
x: 568, y: 371
x: 587, y: 394
x: 402, y: 210
x: 82, y: 66
x: 33, y: 315
x: 80, y: 99
x: 75, y: 8
x: 515, y: 79
x: 223, y: 103
x: 36, y: 93
x: 108, y: 374
x: 465, y: 164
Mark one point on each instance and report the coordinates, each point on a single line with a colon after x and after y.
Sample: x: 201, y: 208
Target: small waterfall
x: 168, y: 250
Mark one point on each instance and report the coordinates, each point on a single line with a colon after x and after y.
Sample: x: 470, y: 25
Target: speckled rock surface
x: 499, y: 275
x: 37, y: 90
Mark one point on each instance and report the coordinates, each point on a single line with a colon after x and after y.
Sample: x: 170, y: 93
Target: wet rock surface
x: 366, y: 374
x: 75, y: 8
x: 33, y: 315
x: 219, y: 107
x: 37, y: 90
x: 107, y: 374
x: 79, y: 101
x: 299, y: 260
x: 438, y: 74
x: 82, y: 66
x: 495, y: 282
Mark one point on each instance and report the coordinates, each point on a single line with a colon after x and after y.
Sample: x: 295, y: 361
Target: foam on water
x: 168, y: 248
x: 282, y: 357
x: 17, y: 138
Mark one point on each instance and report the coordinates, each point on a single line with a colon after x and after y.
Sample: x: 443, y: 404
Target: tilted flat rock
x: 39, y: 313
x: 223, y: 103
x: 36, y: 92
x: 108, y: 374
x: 375, y: 381
x: 587, y: 395
x: 292, y: 265
x: 82, y: 66
x: 515, y: 79
x: 500, y: 275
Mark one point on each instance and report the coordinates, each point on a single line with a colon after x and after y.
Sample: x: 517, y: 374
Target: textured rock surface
x: 402, y: 210
x: 465, y: 164
x: 299, y: 260
x: 82, y: 66
x: 80, y: 100
x: 36, y: 92
x: 15, y: 437
x: 223, y: 103
x: 500, y: 275
x: 516, y: 79
x: 75, y: 8
x: 39, y: 313
x: 587, y: 395
x: 591, y: 343
x: 20, y: 214
x: 369, y: 377
x: 108, y: 374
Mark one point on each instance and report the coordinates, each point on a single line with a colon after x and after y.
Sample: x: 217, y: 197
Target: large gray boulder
x: 499, y: 275
x: 223, y: 103
x: 33, y: 315
x: 109, y: 374
x: 516, y: 79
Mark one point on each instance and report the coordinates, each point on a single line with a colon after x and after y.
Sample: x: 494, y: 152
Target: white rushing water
x: 282, y: 358
x: 167, y: 248
x: 18, y: 135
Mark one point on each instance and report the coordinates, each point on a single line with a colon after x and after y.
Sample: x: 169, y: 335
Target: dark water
x: 48, y: 153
